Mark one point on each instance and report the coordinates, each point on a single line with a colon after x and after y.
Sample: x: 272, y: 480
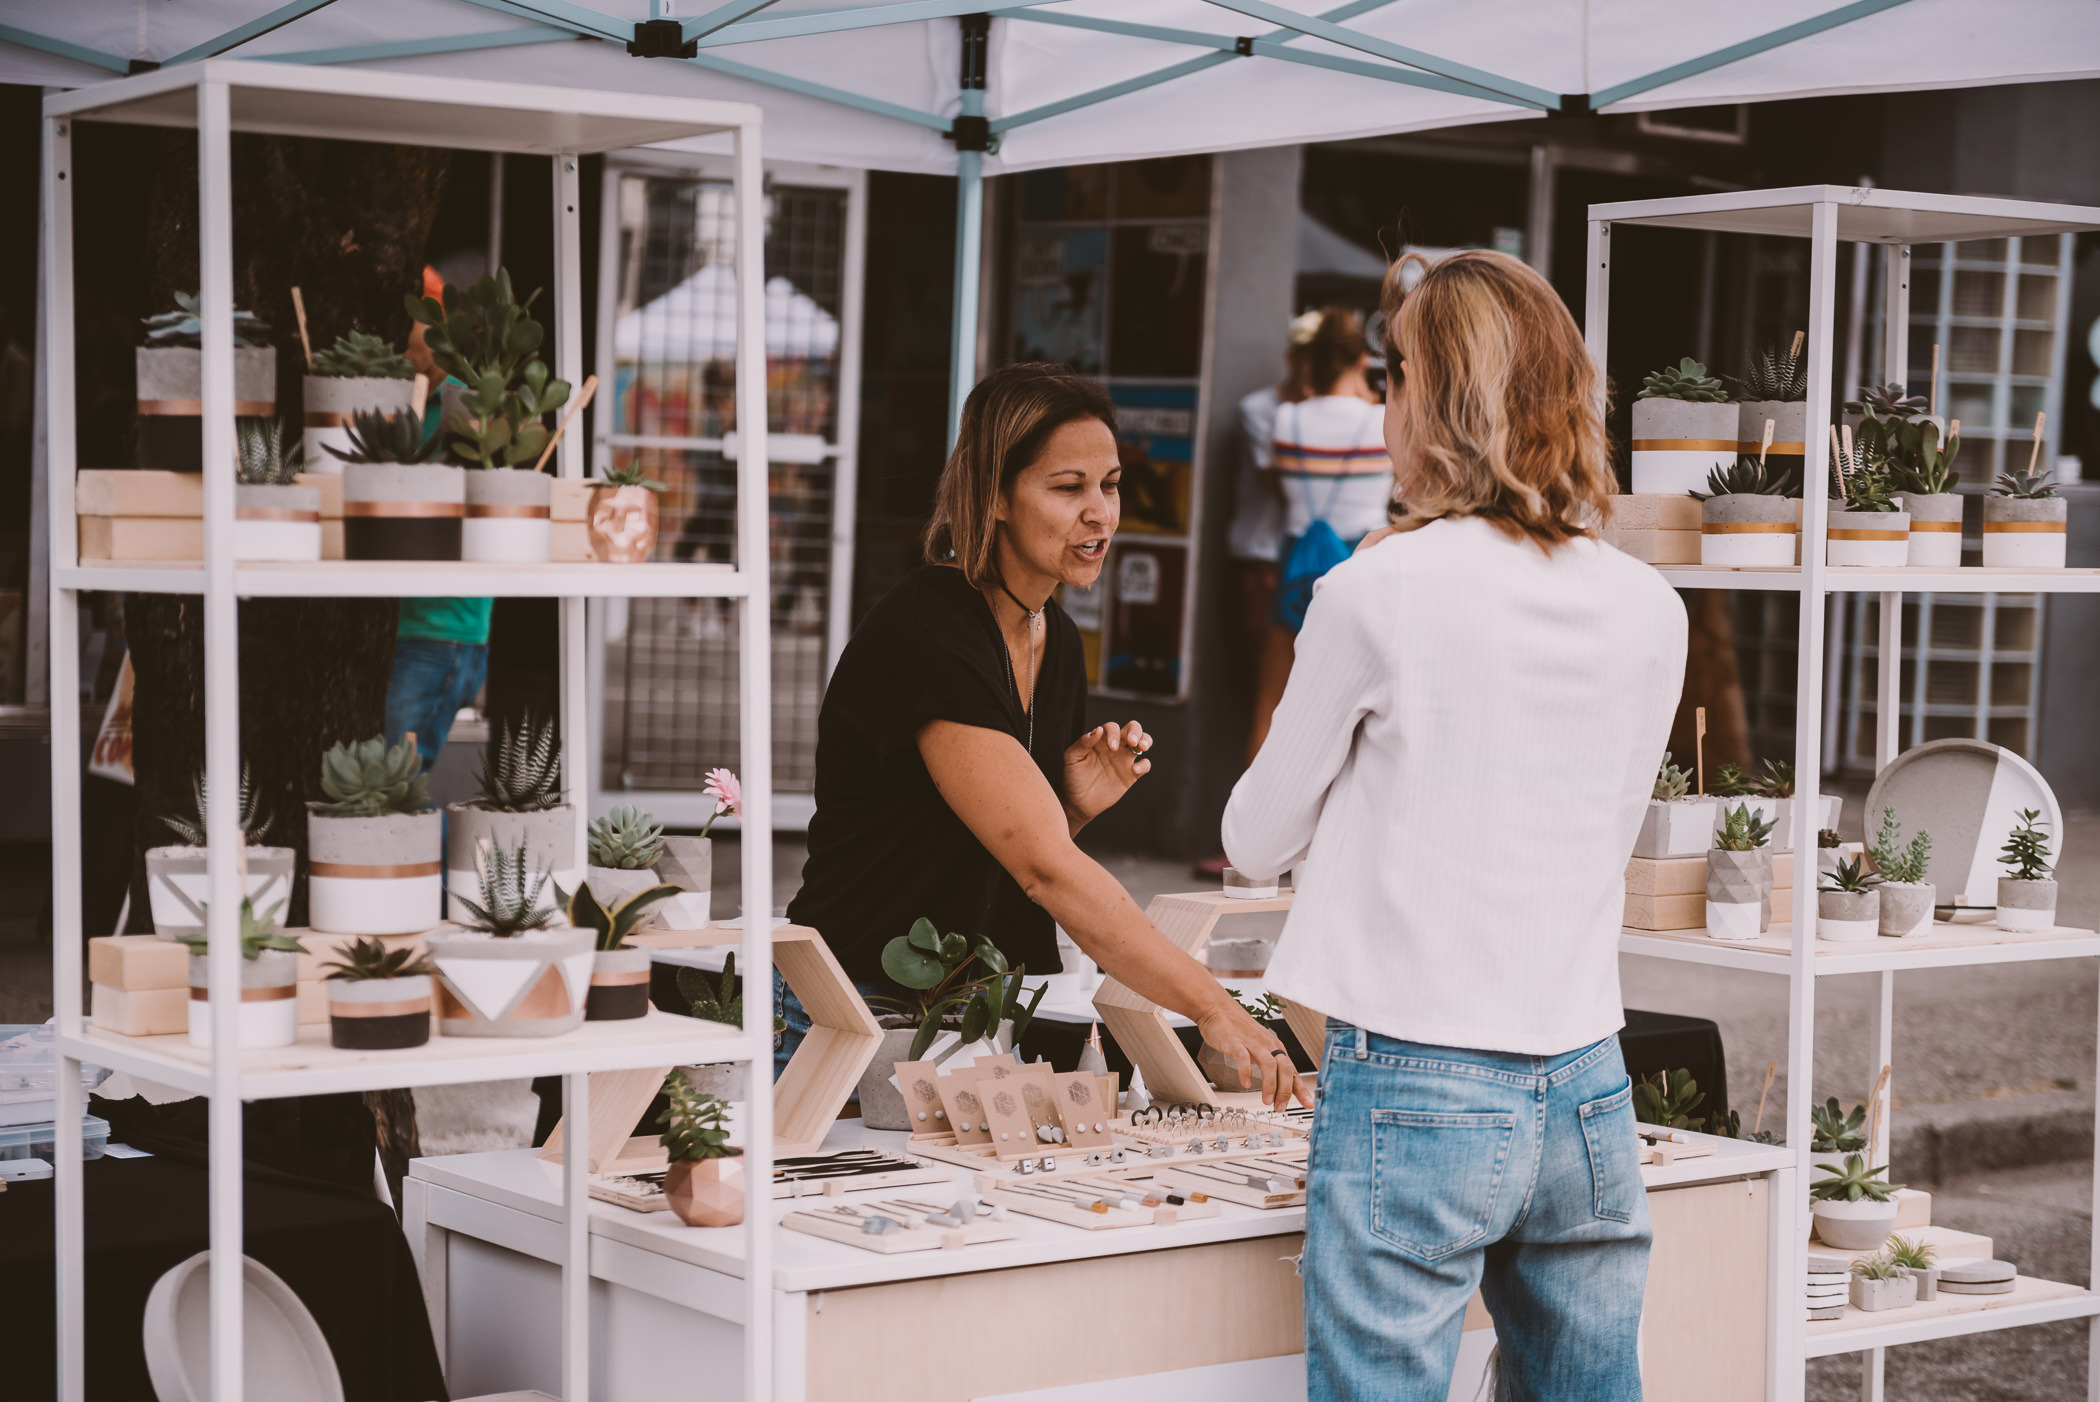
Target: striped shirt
x: 1329, y: 454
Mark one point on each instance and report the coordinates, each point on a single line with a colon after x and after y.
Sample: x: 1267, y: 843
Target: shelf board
x: 1947, y: 946
x: 1858, y: 579
x: 1864, y: 214
x: 2031, y: 1301
x: 402, y: 579
x: 312, y: 1067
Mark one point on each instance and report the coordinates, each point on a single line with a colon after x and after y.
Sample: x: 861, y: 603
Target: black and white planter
x: 1906, y: 908
x: 687, y: 863
x: 379, y: 1014
x: 375, y: 876
x: 2026, y: 905
x: 332, y: 399
x: 548, y: 836
x: 1829, y: 809
x: 276, y: 522
x: 619, y: 984
x: 1854, y: 1226
x: 1676, y: 828
x: 178, y: 885
x: 1848, y: 917
x: 1896, y: 1292
x: 1935, y: 528
x: 392, y: 511
x: 1749, y: 529
x: 1877, y: 539
x: 171, y: 400
x: 269, y: 1015
x: 509, y: 516
x: 2025, y: 532
x: 1738, y: 894
x: 531, y: 985
x: 1676, y: 443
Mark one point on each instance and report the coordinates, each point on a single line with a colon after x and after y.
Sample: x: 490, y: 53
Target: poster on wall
x: 1061, y: 297
x: 1089, y: 610
x: 1156, y: 441
x: 1146, y: 587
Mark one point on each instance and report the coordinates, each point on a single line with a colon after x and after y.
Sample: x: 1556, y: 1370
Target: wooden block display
x: 141, y: 538
x: 569, y: 541
x: 137, y: 492
x: 570, y: 499
x: 136, y: 963
x: 1684, y: 912
x: 1650, y: 511
x: 1657, y: 547
x: 618, y: 1099
x: 331, y: 540
x: 159, y: 1012
x: 330, y: 486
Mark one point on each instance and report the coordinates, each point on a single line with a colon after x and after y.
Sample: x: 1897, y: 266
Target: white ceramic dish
x: 1968, y: 794
x: 286, y: 1358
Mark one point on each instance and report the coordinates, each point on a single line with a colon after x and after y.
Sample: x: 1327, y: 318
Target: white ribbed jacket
x: 1461, y: 762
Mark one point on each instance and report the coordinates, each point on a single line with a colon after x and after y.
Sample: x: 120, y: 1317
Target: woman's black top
x: 884, y: 847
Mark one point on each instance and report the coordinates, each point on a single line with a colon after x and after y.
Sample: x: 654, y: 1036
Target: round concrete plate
x: 1977, y: 1272
x: 1987, y: 1287
x: 1968, y: 794
x: 287, y: 1359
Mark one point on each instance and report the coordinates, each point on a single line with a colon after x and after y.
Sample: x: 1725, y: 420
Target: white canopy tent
x: 695, y: 321
x: 936, y: 86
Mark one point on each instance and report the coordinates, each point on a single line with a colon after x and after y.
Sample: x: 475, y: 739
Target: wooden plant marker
x: 2034, y: 454
x: 618, y: 1100
x: 1086, y: 1119
x: 582, y: 402
x: 306, y: 345
x: 1699, y: 746
x: 920, y: 1083
x: 1874, y: 1115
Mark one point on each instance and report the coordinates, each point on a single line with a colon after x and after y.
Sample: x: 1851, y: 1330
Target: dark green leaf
x: 954, y: 949
x: 976, y: 1019
x: 924, y: 936
x: 988, y: 954
x: 910, y: 966
x: 928, y: 1030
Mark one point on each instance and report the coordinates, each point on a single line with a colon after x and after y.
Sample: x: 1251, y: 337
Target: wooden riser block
x: 570, y: 542
x: 158, y: 1012
x: 1657, y: 547
x: 1685, y: 876
x: 1686, y: 912
x: 135, y: 492
x: 1650, y: 511
x: 330, y: 486
x: 138, y: 963
x: 570, y: 499
x: 141, y: 538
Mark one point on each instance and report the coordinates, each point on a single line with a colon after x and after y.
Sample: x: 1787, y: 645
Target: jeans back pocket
x: 1434, y: 1178
x: 1615, y: 1170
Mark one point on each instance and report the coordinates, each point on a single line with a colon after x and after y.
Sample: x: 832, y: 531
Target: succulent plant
x: 1890, y: 401
x: 1686, y: 380
x: 1879, y: 1266
x: 626, y: 838
x: 1731, y: 782
x: 258, y: 933
x: 723, y: 1002
x: 2025, y: 855
x: 696, y: 1124
x: 366, y: 779
x: 1860, y: 476
x: 613, y: 923
x: 1777, y: 376
x: 1828, y: 837
x: 1917, y: 460
x: 500, y: 423
x: 1852, y: 1183
x: 271, y: 454
x: 521, y: 768
x: 1905, y: 865
x: 190, y: 828
x: 1747, y: 476
x: 370, y: 959
x: 1668, y: 1098
x: 1833, y: 1131
x: 481, y: 329
x: 632, y: 474
x: 510, y: 892
x: 185, y: 326
x: 2029, y: 486
x: 361, y: 355
x: 1911, y: 1253
x: 1852, y: 876
x: 1671, y: 783
x: 1743, y: 829
x: 376, y: 436
x: 1777, y: 780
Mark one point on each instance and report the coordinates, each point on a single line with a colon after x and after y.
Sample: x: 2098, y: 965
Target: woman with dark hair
x: 954, y: 767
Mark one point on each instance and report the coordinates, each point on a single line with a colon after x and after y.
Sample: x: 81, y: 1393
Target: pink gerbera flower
x: 722, y: 786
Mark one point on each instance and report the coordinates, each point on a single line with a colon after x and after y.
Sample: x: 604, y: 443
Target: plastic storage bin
x: 41, y: 1141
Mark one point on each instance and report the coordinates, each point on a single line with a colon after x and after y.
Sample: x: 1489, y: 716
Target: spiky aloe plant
x: 1777, y: 780
x: 1777, y: 376
x: 271, y: 453
x: 1671, y: 783
x: 510, y: 892
x: 191, y: 827
x: 1686, y: 380
x: 370, y: 959
x: 1890, y: 401
x: 614, y: 923
x: 185, y: 326
x: 1743, y: 829
x: 397, y: 437
x: 1904, y: 864
x: 258, y: 933
x: 696, y: 1124
x: 366, y: 779
x: 363, y: 356
x: 1854, y: 1182
x: 1833, y: 1131
x: 2026, y: 852
x: 626, y: 839
x: 2028, y: 486
x: 1851, y: 876
x: 521, y: 769
x: 1747, y: 476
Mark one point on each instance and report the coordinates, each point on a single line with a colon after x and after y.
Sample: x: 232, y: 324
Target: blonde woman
x: 1480, y: 700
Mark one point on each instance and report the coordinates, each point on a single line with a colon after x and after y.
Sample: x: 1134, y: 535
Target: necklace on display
x: 1032, y: 617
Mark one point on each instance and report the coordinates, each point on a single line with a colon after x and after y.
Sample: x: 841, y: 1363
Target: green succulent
x: 359, y: 355
x: 1860, y: 476
x: 479, y: 330
x: 1743, y: 829
x: 1777, y: 780
x: 632, y: 474
x: 1890, y: 401
x: 2029, y: 486
x: 366, y: 779
x: 1731, y: 782
x: 2025, y: 855
x: 626, y: 839
x: 1854, y: 1182
x: 258, y: 933
x: 723, y: 1002
x: 500, y: 422
x: 377, y: 436
x: 935, y: 968
x: 1897, y: 862
x: 1667, y: 1099
x: 521, y: 769
x: 1828, y: 837
x: 612, y: 923
x: 1746, y: 476
x: 1777, y: 376
x: 1880, y: 1266
x: 696, y: 1124
x: 1686, y: 380
x: 191, y: 827
x: 1852, y: 876
x: 185, y: 326
x: 1917, y: 460
x: 1671, y: 783
x: 370, y: 959
x: 271, y: 453
x: 1832, y: 1130
x: 511, y: 886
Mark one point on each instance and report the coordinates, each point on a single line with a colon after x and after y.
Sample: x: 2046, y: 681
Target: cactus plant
x: 370, y: 959
x: 376, y: 437
x: 1743, y: 829
x: 1687, y: 380
x: 510, y: 893
x: 1747, y: 476
x: 1904, y: 864
x: 521, y: 769
x: 361, y: 355
x: 626, y: 839
x: 2026, y: 850
x: 185, y: 326
x: 190, y: 828
x: 366, y: 779
x: 271, y: 454
x: 1671, y: 783
x: 1777, y: 376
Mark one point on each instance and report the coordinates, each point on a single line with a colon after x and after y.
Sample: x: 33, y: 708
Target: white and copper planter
x: 1749, y: 529
x: 1677, y: 442
x: 375, y: 876
x: 1877, y: 539
x: 1935, y: 529
x: 276, y: 522
x: 269, y: 993
x: 379, y: 1014
x: 393, y: 511
x: 171, y: 400
x: 509, y: 516
x: 2025, y: 532
x: 331, y: 400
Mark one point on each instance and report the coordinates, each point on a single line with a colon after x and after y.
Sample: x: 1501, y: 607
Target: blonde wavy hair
x: 1506, y: 408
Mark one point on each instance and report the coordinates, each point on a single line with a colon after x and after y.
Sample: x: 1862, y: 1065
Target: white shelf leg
x: 2092, y: 1366
x: 1596, y: 306
x: 1872, y: 1368
x: 1882, y: 1030
x: 576, y: 1239
x: 1895, y: 312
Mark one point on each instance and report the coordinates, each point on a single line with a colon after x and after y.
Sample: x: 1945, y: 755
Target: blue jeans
x: 788, y: 1008
x: 430, y: 682
x: 1437, y: 1171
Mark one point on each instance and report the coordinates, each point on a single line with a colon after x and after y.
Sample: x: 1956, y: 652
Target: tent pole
x: 971, y: 137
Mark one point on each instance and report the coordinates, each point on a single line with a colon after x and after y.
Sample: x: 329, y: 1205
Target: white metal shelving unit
x: 218, y: 98
x: 1828, y: 215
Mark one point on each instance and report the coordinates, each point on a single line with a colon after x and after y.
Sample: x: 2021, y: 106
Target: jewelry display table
x: 1207, y: 1308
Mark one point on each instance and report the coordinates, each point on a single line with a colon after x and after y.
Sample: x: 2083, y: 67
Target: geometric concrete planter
x: 1880, y: 539
x: 1677, y: 442
x: 707, y: 1192
x: 1894, y: 1293
x: 2025, y: 532
x: 547, y: 834
x: 332, y: 399
x: 509, y: 518
x: 179, y: 889
x: 1680, y: 828
x: 1748, y: 529
x: 1848, y: 916
x: 269, y: 1015
x: 170, y: 400
x: 378, y: 1014
x: 687, y: 863
x: 1739, y: 890
x: 1854, y: 1226
x: 1935, y: 528
x: 529, y: 985
x: 276, y: 522
x: 611, y: 885
x: 375, y: 876
x: 619, y: 985
x: 1906, y: 908
x: 2026, y: 905
x: 398, y: 511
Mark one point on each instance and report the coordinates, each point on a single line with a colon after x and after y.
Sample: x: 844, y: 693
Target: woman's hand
x: 1231, y: 1031
x: 1101, y: 766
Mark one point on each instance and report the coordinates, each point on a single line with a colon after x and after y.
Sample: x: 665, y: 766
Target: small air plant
x: 359, y: 355
x: 510, y: 893
x: 1686, y: 380
x: 1881, y: 1266
x: 190, y: 828
x: 185, y: 326
x: 1743, y: 829
x: 271, y: 454
x: 2026, y: 852
x: 1911, y: 1253
x: 379, y: 437
x: 1851, y: 875
x: 1671, y: 782
x: 1903, y: 864
x: 521, y: 769
x: 370, y: 959
x: 632, y: 474
x: 1746, y: 476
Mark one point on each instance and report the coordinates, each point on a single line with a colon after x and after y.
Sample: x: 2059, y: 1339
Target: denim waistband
x: 1347, y: 1039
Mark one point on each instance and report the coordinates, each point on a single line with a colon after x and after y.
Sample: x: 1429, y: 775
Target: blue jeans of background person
x: 1436, y: 1171
x: 788, y: 1008
x: 431, y: 681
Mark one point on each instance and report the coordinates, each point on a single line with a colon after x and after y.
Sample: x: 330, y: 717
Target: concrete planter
x: 171, y: 400
x: 687, y: 863
x: 724, y: 1080
x: 375, y: 876
x: 2026, y: 905
x: 548, y: 835
x: 378, y: 1014
x: 392, y: 511
x: 530, y: 985
x: 1906, y: 908
x: 1829, y: 809
x: 1891, y: 1294
x: 882, y: 1104
x: 1683, y: 828
x: 619, y: 985
x: 1854, y: 1226
x: 1676, y: 443
x: 1848, y: 916
x: 269, y: 1015
x: 276, y: 522
x: 611, y: 885
x: 1935, y: 528
x: 1749, y: 529
x: 179, y: 886
x: 1827, y: 859
x: 509, y: 517
x: 2025, y: 532
x: 706, y: 1192
x: 1789, y: 431
x: 1928, y: 1279
x: 1878, y: 539
x: 332, y: 399
x: 1738, y: 894
x: 620, y: 523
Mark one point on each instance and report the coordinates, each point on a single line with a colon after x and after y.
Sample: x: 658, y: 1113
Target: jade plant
x: 371, y: 959
x: 938, y: 971
x: 502, y: 424
x: 1746, y: 476
x: 190, y: 827
x: 380, y: 437
x: 1266, y: 1008
x: 626, y: 839
x: 521, y: 769
x: 1854, y: 1182
x: 367, y: 779
x: 633, y: 474
x: 1667, y: 1099
x: 1897, y: 861
x: 1833, y: 1131
x: 614, y: 923
x: 2025, y: 855
x: 485, y: 338
x: 359, y: 355
x: 1743, y: 829
x: 185, y: 326
x: 2028, y: 486
x: 271, y: 455
x: 258, y: 933
x: 721, y: 1001
x: 1671, y: 782
x: 1851, y: 875
x: 1686, y: 380
x: 696, y: 1124
x: 1777, y: 376
x: 510, y: 893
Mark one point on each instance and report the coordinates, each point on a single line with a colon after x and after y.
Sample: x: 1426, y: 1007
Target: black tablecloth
x: 1655, y: 1042
x: 343, y: 1255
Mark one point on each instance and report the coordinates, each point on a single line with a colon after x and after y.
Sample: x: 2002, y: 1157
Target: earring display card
x: 1086, y: 1120
x: 1013, y: 1132
x: 965, y: 1109
x: 919, y: 1081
